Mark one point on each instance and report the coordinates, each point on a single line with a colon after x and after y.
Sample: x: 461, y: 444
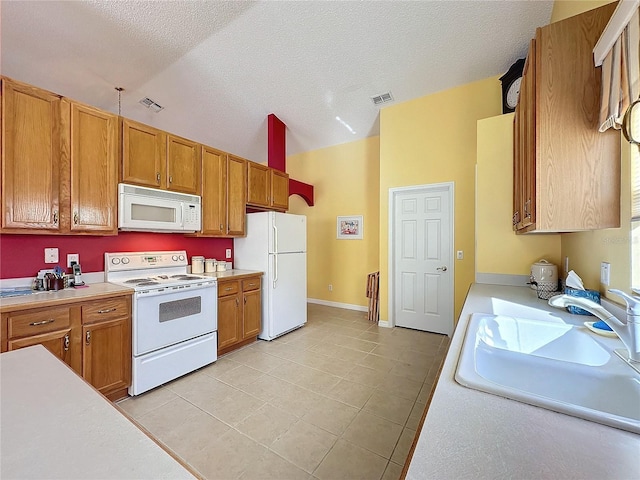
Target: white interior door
x: 422, y: 249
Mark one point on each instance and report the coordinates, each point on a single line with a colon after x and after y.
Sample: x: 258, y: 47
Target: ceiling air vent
x: 150, y: 104
x: 382, y: 98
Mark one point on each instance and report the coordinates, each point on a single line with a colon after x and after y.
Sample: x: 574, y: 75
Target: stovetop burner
x: 137, y: 280
x: 146, y: 284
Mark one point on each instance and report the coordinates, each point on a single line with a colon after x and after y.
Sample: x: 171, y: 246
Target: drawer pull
x: 88, y: 337
x: 107, y: 310
x: 43, y: 322
x: 252, y: 284
x: 66, y: 342
x: 227, y: 289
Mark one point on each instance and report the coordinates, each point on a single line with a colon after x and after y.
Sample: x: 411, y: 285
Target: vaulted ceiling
x: 220, y: 67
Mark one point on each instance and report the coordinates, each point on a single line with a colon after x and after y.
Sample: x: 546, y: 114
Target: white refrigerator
x: 276, y: 243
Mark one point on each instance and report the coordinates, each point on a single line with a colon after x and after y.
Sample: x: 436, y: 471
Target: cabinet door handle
x: 170, y: 178
x: 107, y: 310
x: 158, y: 177
x: 88, y: 337
x: 55, y: 217
x: 237, y: 302
x: 245, y: 300
x: 66, y: 342
x: 221, y: 226
x: 43, y: 322
x: 76, y: 218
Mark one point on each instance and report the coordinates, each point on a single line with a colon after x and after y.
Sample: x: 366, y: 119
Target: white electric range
x: 174, y: 315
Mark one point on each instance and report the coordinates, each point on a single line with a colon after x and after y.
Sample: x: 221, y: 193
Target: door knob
x: 442, y: 269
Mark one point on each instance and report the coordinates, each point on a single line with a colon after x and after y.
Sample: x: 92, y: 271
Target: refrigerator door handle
x: 275, y: 239
x: 275, y: 270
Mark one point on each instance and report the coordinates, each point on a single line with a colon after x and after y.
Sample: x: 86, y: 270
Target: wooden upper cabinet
x: 258, y: 184
x: 94, y: 170
x: 570, y: 171
x: 144, y: 155
x: 214, y: 192
x: 31, y: 158
x: 279, y: 198
x: 183, y: 165
x: 236, y: 195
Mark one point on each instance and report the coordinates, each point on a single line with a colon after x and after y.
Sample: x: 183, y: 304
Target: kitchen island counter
x: 54, y: 425
x: 472, y: 434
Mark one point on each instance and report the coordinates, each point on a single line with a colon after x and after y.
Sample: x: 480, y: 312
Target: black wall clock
x: 511, y: 86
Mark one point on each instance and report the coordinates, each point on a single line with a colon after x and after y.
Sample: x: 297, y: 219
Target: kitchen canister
x: 197, y: 264
x: 544, y: 273
x: 222, y: 266
x: 210, y: 265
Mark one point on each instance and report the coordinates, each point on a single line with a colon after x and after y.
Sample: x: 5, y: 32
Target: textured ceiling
x: 219, y: 68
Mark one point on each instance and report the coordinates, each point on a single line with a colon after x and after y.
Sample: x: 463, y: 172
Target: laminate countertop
x: 472, y: 434
x: 92, y: 291
x: 54, y: 425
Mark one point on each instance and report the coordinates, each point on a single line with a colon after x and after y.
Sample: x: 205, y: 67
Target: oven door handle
x: 170, y: 290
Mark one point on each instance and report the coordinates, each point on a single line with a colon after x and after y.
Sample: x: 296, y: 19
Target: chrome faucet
x: 629, y: 331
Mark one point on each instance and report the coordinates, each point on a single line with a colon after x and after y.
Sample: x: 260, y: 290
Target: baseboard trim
x: 384, y: 323
x: 348, y: 306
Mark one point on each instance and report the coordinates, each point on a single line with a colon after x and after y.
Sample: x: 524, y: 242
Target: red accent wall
x: 276, y: 145
x: 23, y: 255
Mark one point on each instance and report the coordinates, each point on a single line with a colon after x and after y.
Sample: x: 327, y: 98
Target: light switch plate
x: 228, y: 253
x: 459, y: 254
x: 50, y: 255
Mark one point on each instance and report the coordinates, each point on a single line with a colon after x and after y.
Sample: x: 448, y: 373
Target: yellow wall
x: 498, y: 248
x: 432, y: 139
x: 346, y: 182
x: 587, y: 249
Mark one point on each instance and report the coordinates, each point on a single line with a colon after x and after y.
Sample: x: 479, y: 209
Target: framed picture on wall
x: 350, y: 228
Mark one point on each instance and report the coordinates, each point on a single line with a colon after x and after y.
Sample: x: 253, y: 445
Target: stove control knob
x: 115, y: 260
x: 174, y: 258
x: 125, y: 260
x: 181, y: 258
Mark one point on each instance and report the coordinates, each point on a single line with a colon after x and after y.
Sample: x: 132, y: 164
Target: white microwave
x: 151, y: 210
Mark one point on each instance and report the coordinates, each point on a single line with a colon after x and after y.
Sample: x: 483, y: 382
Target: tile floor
x: 339, y: 398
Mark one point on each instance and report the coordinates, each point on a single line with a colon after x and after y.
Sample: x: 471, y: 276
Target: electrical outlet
x: 330, y: 288
x: 72, y: 258
x: 228, y: 253
x: 50, y: 255
x: 605, y: 273
x: 459, y: 254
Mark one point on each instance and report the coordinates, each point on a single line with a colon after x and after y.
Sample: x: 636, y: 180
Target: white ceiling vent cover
x: 382, y: 98
x: 150, y: 104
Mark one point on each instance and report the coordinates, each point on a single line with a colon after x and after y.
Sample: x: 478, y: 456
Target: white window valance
x: 620, y: 64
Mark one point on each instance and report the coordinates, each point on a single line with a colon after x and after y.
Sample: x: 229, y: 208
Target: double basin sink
x: 561, y: 367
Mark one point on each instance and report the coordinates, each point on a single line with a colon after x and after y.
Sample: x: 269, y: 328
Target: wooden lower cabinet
x: 106, y: 345
x: 93, y: 338
x: 58, y: 343
x: 239, y: 312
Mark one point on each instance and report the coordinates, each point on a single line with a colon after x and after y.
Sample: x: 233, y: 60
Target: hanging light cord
x: 120, y: 90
